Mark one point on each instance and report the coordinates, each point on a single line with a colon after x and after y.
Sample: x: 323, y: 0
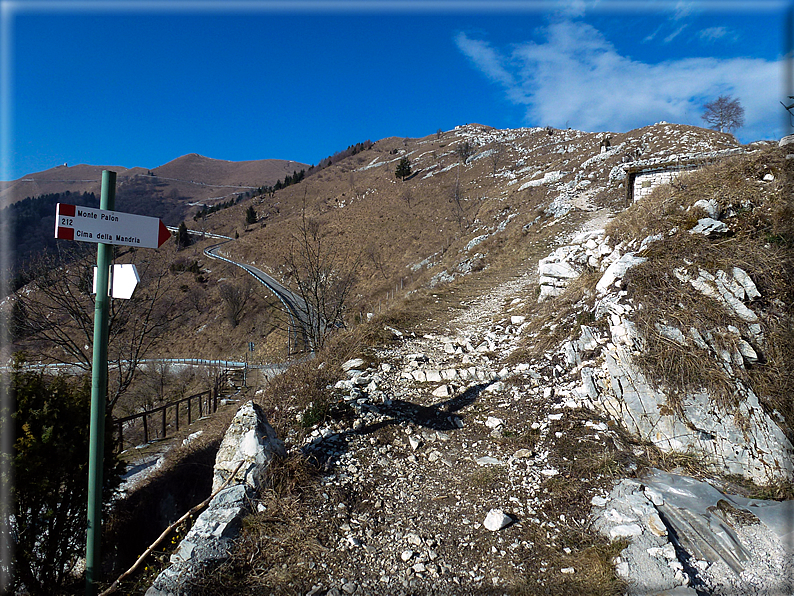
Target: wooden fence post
x: 145, y: 429
x: 164, y: 425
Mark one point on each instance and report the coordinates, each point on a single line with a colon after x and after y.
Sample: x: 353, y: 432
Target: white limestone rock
x: 715, y: 287
x: 496, y: 520
x: 487, y: 460
x: 710, y: 206
x: 709, y: 227
x: 617, y: 270
x: 433, y: 376
x: 442, y: 391
x: 625, y: 531
x: 494, y: 422
x: 758, y: 449
x: 250, y: 440
x: 352, y: 363
x: 740, y: 275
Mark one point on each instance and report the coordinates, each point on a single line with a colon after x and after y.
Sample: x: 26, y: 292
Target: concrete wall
x: 645, y: 182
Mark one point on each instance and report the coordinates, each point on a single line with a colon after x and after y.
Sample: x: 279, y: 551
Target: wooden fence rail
x: 206, y: 401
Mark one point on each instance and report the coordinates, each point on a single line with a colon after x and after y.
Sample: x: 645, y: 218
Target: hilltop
x: 517, y: 190
x: 523, y: 337
x: 190, y: 178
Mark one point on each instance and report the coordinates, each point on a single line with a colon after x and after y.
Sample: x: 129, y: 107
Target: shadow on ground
x: 324, y: 452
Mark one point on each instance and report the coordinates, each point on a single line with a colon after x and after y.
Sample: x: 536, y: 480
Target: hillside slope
x: 544, y: 348
x: 516, y: 190
x: 530, y: 346
x: 487, y: 443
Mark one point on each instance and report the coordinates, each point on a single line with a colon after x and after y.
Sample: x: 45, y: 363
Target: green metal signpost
x: 106, y: 227
x: 99, y: 383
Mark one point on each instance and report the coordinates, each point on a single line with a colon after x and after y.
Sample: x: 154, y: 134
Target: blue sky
x: 129, y: 83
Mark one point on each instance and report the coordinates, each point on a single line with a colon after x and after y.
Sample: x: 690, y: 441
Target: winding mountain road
x: 294, y: 305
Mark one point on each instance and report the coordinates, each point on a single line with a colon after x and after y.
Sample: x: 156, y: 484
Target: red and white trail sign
x: 73, y: 222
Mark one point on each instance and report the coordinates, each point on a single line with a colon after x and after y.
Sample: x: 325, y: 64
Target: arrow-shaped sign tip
x: 163, y: 235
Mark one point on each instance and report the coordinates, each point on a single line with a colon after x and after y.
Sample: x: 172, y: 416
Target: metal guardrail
x: 228, y: 364
x: 293, y: 331
x: 202, y: 234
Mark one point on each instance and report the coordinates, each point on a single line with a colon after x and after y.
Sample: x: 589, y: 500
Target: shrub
x: 50, y: 459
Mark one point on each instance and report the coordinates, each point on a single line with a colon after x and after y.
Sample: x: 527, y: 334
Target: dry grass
x: 736, y: 184
x: 760, y: 243
x: 299, y: 397
x: 591, y: 558
x: 487, y: 477
x: 553, y: 321
x: 782, y: 490
x: 281, y: 542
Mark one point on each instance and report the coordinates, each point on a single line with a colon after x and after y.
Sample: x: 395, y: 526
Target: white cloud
x: 577, y: 76
x: 683, y: 8
x: 712, y: 33
x: 654, y: 34
x: 486, y: 59
x: 674, y: 34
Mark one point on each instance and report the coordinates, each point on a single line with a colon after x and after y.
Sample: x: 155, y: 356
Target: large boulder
x: 251, y: 443
x: 250, y: 440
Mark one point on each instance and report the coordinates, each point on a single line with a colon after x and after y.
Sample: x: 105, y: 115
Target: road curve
x: 293, y: 304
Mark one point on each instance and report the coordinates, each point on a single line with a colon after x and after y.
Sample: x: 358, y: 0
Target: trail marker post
x: 103, y: 226
x: 106, y: 228
x: 99, y: 383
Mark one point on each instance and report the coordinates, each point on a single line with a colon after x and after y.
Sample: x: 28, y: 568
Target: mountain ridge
x: 192, y: 176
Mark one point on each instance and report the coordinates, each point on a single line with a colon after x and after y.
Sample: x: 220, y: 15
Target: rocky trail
x: 459, y: 474
x: 510, y: 451
x: 452, y: 468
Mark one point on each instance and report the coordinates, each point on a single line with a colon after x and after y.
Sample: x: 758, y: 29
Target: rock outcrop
x: 685, y: 535
x: 748, y: 441
x: 250, y: 440
x: 250, y: 443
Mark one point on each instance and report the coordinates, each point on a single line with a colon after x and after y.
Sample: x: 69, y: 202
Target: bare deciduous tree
x: 457, y: 198
x: 322, y: 273
x: 235, y: 296
x: 407, y: 196
x: 724, y: 114
x: 57, y: 316
x: 465, y: 150
x: 498, y: 152
x: 375, y: 256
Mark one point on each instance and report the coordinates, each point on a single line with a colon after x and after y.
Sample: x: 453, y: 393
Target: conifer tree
x: 182, y: 236
x: 403, y: 168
